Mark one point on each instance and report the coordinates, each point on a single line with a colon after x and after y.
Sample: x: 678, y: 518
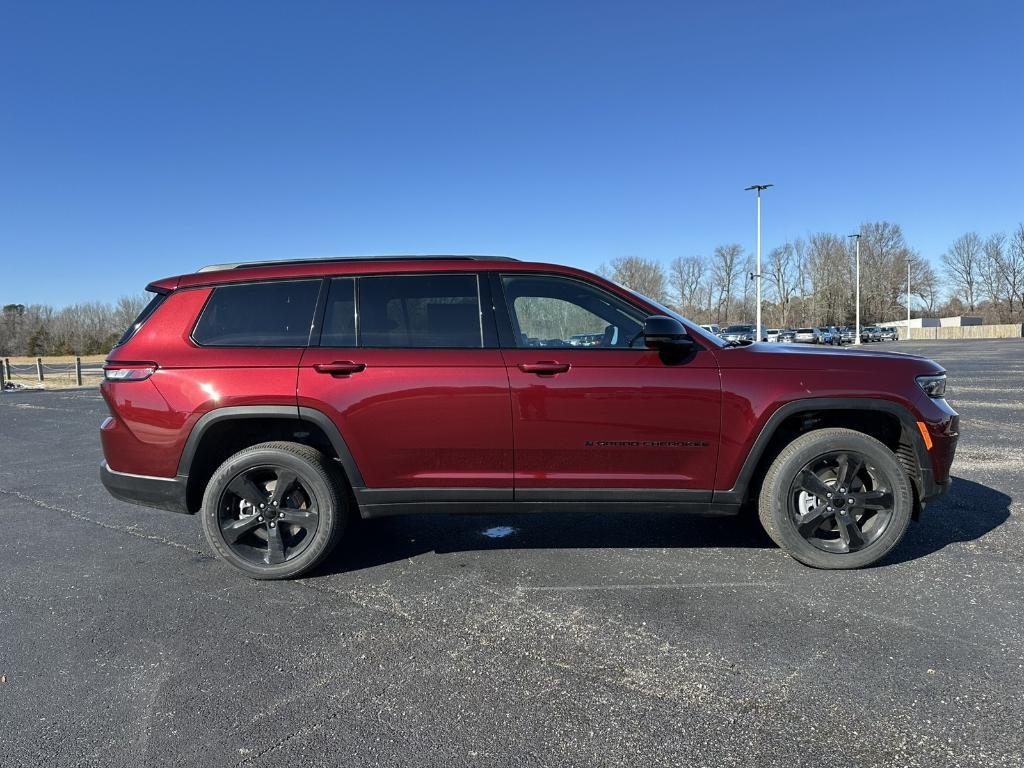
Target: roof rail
x: 329, y: 259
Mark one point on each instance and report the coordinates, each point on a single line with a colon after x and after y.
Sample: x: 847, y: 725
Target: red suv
x: 276, y: 399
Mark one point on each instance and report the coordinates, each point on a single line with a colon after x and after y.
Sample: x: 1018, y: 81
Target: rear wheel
x: 275, y: 510
x: 836, y: 498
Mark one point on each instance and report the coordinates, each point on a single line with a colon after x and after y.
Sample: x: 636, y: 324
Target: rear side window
x: 277, y: 314
x: 435, y: 310
x: 144, y: 315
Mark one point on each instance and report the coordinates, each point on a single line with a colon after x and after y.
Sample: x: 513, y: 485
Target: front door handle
x: 340, y: 368
x: 544, y: 367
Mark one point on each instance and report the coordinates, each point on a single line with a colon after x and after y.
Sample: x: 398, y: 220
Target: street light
x: 856, y: 338
x: 757, y: 276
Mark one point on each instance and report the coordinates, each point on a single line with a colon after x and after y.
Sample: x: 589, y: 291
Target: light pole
x: 757, y: 276
x: 856, y: 338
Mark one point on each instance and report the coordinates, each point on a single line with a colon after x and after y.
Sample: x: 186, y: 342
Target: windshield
x: 704, y: 334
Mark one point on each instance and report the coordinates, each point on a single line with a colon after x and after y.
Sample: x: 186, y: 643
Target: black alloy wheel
x: 836, y: 498
x: 267, y: 516
x: 275, y: 510
x: 840, y: 502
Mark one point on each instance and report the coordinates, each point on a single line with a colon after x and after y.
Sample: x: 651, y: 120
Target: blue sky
x: 139, y: 140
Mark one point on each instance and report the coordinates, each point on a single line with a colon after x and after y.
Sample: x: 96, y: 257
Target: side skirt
x: 386, y: 502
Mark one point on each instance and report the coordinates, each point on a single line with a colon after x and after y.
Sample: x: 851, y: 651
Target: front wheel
x: 836, y: 498
x: 275, y: 510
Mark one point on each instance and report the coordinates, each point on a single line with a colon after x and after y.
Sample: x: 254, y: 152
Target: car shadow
x: 377, y: 542
x: 967, y: 512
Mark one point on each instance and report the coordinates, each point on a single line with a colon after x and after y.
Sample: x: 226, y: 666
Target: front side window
x: 274, y: 314
x: 419, y: 311
x: 553, y: 311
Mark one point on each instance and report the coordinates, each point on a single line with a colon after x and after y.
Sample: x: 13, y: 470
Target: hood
x: 813, y: 358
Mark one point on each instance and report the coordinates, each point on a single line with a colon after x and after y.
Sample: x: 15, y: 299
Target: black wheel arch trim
x: 234, y: 412
x: 348, y: 462
x: 927, y: 487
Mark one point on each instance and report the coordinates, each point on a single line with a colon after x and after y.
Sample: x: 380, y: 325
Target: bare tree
x: 991, y: 290
x: 963, y: 266
x: 927, y: 287
x: 686, y: 276
x: 726, y: 272
x: 883, y: 267
x: 746, y: 305
x: 84, y: 329
x: 827, y: 256
x: 12, y: 326
x: 644, y: 276
x: 803, y: 278
x: 1010, y: 270
x: 782, y: 279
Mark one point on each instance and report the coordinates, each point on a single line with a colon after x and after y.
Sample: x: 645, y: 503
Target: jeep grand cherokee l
x: 276, y: 400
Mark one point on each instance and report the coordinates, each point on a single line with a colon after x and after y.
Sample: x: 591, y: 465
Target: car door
x: 408, y: 369
x: 608, y: 420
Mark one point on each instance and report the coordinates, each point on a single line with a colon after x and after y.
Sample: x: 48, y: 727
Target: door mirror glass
x: 662, y: 332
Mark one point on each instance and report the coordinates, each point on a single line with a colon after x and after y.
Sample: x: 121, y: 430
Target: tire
x: 822, y: 531
x: 295, y: 529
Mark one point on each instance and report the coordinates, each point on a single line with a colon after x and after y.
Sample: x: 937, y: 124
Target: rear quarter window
x: 272, y: 314
x: 144, y: 315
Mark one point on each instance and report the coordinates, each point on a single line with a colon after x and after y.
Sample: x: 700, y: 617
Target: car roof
x: 274, y: 263
x: 239, y: 272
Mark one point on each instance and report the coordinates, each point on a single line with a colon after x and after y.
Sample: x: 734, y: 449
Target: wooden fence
x: 37, y: 372
x: 1005, y: 331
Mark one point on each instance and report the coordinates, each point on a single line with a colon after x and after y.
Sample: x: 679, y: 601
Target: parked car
x: 713, y: 328
x: 847, y: 334
x: 835, y: 335
x: 739, y: 333
x: 771, y: 334
x: 824, y: 335
x: 808, y: 336
x: 870, y: 333
x: 888, y: 333
x: 277, y: 400
x: 787, y: 337
x: 586, y: 339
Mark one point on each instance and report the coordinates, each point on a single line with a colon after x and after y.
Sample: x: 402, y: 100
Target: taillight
x: 129, y: 371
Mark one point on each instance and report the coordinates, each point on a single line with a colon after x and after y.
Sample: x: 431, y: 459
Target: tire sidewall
x: 803, y: 451
x: 324, y: 493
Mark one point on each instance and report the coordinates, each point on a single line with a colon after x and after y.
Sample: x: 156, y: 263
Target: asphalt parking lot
x: 553, y: 640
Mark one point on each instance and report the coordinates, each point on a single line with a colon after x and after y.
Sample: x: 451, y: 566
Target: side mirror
x: 661, y: 332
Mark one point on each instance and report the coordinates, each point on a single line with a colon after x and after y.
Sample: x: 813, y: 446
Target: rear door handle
x: 544, y: 367
x: 340, y: 368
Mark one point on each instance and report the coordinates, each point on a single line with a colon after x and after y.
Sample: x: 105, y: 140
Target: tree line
x: 811, y: 281
x: 806, y: 281
x: 90, y: 328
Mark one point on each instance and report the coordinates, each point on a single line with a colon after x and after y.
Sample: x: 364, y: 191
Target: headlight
x: 933, y: 386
